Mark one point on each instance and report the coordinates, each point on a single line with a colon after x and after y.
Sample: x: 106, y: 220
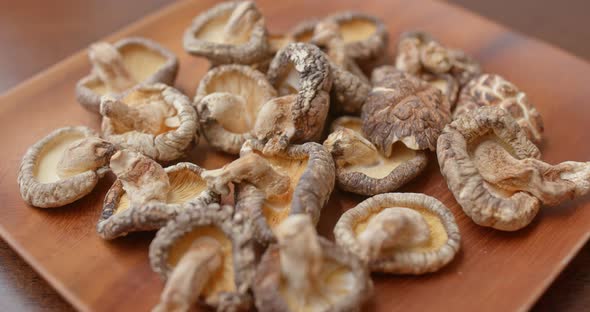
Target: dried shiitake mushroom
x: 146, y: 196
x: 305, y: 272
x: 303, y: 31
x: 63, y: 167
x: 419, y: 53
x: 362, y: 169
x: 350, y: 86
x: 403, y: 108
x: 206, y: 255
x: 229, y: 33
x: 156, y: 120
x: 119, y: 67
x: 228, y: 101
x: 301, y: 74
x: 493, y: 90
x: 404, y: 233
x: 495, y: 174
x: 365, y: 36
x: 349, y: 122
x: 269, y: 188
x: 446, y: 83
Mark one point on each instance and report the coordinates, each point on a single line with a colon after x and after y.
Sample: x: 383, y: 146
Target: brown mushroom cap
x: 204, y: 37
x: 311, y: 170
x: 481, y: 201
x: 441, y: 245
x: 446, y: 83
x: 344, y: 279
x: 493, y: 90
x: 38, y: 179
x: 119, y: 217
x: 166, y: 143
x: 366, y: 36
x: 403, y: 108
x: 227, y: 290
x: 303, y: 70
x: 147, y: 61
x: 227, y: 101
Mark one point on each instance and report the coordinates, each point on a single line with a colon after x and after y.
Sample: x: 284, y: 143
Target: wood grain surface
x: 496, y: 271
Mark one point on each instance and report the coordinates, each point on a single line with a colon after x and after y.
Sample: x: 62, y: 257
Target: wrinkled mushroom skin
x: 202, y: 231
x: 39, y: 179
x: 362, y: 169
x: 419, y: 54
x: 311, y: 171
x: 228, y: 101
x: 493, y: 90
x: 119, y: 217
x: 305, y: 272
x: 119, y: 67
x: 400, y: 233
x: 402, y: 108
x: 304, y: 70
x: 156, y: 120
x: 493, y: 170
x: 229, y: 33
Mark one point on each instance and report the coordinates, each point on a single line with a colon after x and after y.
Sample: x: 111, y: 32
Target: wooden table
x: 35, y: 35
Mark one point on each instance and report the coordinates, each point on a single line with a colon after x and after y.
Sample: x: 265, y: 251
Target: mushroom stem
x: 274, y: 123
x: 251, y: 168
x: 149, y: 117
x: 230, y: 110
x: 108, y: 64
x: 91, y: 153
x: 143, y: 179
x: 550, y: 184
x: 190, y: 275
x: 300, y: 254
x: 393, y: 227
x: 348, y: 147
x: 240, y: 23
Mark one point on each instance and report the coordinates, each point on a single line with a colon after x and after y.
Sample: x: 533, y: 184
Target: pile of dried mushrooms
x: 302, y: 111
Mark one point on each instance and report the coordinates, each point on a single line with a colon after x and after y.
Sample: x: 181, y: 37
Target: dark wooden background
x: 35, y: 34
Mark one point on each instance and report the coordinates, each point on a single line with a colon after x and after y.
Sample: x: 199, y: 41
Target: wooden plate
x: 494, y: 271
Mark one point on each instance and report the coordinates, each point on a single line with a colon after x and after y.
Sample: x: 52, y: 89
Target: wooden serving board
x: 494, y: 271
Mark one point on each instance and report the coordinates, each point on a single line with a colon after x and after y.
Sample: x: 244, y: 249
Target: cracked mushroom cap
x: 156, y: 120
x: 403, y: 108
x: 205, y: 252
x: 365, y: 36
x: 402, y: 233
x: 122, y: 215
x: 362, y: 169
x: 228, y: 100
x: 305, y: 272
x: 63, y: 167
x: 310, y: 172
x: 495, y: 174
x: 301, y: 74
x: 229, y: 33
x: 119, y: 67
x: 493, y: 90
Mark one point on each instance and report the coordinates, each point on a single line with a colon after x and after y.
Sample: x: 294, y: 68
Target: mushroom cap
x: 163, y: 67
x: 494, y: 90
x: 403, y: 108
x: 404, y: 166
x: 309, y: 194
x: 314, y: 81
x: 446, y: 83
x: 484, y: 204
x: 222, y: 224
x: 442, y: 246
x: 250, y: 85
x: 303, y: 31
x: 349, y: 91
x: 39, y: 184
x: 268, y: 287
x: 255, y: 49
x: 165, y: 146
x: 187, y: 187
x: 464, y: 67
x: 365, y: 35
